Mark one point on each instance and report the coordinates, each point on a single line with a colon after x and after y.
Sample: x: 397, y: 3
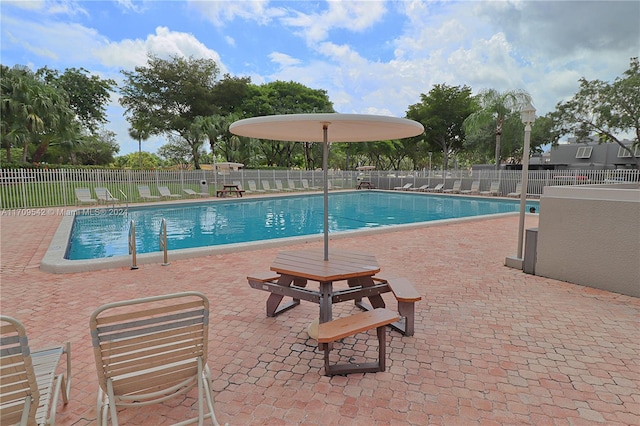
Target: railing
x: 126, y: 199
x: 163, y: 241
x: 132, y: 245
x: 26, y: 189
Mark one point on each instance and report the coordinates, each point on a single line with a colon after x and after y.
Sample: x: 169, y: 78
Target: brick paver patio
x: 492, y: 346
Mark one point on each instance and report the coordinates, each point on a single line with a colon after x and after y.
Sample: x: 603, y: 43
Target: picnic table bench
x: 229, y: 189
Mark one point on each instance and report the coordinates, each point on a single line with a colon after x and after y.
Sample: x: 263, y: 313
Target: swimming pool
x: 220, y: 222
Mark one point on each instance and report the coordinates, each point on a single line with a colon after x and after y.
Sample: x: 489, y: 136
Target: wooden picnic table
x: 296, y: 268
x: 292, y: 270
x: 365, y: 184
x: 229, y: 189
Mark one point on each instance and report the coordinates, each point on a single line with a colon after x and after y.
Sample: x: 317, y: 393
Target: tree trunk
x: 196, y: 157
x: 24, y: 152
x: 40, y: 151
x: 497, y: 151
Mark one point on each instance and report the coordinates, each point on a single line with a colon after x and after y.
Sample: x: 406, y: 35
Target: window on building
x: 623, y: 153
x: 584, y: 152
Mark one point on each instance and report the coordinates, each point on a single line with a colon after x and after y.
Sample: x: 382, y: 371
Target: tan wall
x: 591, y: 236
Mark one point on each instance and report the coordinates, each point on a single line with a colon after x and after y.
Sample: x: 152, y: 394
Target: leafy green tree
x: 88, y: 94
x: 140, y: 132
x: 442, y: 112
x: 494, y: 109
x: 281, y: 97
x: 33, y: 112
x: 230, y: 93
x: 169, y: 94
x: 177, y: 151
x: 131, y: 161
x: 96, y: 149
x: 604, y: 109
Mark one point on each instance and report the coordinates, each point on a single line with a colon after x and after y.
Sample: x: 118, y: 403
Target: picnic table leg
x: 273, y: 301
x: 375, y: 300
x: 326, y: 290
x: 325, y: 301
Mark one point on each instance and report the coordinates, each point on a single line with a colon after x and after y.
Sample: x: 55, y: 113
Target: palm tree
x: 139, y: 132
x: 494, y: 108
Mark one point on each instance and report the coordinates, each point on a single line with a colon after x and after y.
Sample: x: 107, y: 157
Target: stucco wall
x: 590, y: 235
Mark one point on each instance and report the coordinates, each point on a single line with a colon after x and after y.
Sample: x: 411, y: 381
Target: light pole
x: 528, y: 116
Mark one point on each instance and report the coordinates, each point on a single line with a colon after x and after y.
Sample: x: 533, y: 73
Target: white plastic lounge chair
x: 192, y: 193
x: 165, y: 193
x: 280, y: 187
x: 103, y: 194
x: 305, y: 185
x: 456, y: 187
x: 422, y: 188
x: 517, y: 192
x: 29, y: 385
x: 267, y: 187
x: 239, y: 185
x: 83, y: 196
x: 437, y: 188
x: 253, y: 187
x: 145, y: 193
x: 493, y: 190
x: 151, y: 349
x: 403, y: 188
x: 475, y: 188
x: 292, y: 185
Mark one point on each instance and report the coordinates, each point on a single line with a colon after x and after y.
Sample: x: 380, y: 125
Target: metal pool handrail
x: 132, y: 245
x: 163, y: 241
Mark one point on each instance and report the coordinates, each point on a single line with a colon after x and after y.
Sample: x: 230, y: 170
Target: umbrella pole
x: 325, y: 162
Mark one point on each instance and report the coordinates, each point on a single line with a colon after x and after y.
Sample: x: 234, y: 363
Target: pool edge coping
x: 54, y: 262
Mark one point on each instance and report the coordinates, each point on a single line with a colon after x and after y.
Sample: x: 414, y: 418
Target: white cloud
x: 350, y: 15
x: 220, y: 12
x: 283, y: 59
x: 164, y: 43
x: 56, y: 41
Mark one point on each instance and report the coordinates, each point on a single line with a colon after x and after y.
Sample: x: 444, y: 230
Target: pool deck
x: 492, y: 345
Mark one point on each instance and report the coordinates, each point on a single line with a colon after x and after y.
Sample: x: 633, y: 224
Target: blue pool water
x: 104, y: 232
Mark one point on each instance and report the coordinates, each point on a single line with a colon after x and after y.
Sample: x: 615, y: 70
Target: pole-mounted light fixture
x: 528, y: 116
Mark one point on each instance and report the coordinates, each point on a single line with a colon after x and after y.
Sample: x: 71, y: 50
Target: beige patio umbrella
x: 326, y: 128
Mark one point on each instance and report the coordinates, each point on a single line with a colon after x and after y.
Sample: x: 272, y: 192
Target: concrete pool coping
x: 54, y: 261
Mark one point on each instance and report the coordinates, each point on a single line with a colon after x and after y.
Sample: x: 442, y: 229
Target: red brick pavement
x: 492, y: 346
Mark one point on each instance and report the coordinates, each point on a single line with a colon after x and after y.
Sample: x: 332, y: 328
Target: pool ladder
x: 163, y: 241
x: 162, y: 238
x: 132, y: 245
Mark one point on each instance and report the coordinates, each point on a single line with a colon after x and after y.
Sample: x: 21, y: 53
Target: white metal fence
x: 32, y: 188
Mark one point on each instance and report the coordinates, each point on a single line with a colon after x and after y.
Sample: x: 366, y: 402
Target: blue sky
x: 373, y: 56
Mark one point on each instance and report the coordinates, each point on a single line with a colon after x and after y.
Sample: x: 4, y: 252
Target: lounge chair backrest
x: 495, y: 186
x: 305, y: 183
x: 265, y: 185
x: 238, y: 183
x: 279, y: 185
x: 18, y: 387
x: 104, y: 194
x: 292, y: 184
x: 83, y: 193
x: 475, y: 185
x: 457, y: 184
x: 29, y: 382
x: 252, y: 185
x: 150, y: 349
x: 164, y: 191
x: 144, y: 190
